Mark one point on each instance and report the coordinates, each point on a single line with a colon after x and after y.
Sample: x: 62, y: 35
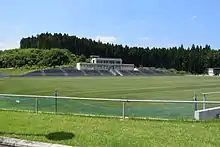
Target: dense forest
x: 37, y: 58
x: 195, y: 59
x: 39, y: 51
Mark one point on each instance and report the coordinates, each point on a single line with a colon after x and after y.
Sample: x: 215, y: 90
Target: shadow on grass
x: 55, y: 136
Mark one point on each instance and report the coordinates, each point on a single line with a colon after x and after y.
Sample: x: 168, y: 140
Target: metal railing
x: 204, y: 97
x: 124, y: 102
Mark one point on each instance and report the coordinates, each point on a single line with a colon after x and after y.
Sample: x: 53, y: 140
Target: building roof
x: 107, y: 58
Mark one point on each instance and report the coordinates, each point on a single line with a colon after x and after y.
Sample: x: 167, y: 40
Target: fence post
x: 123, y: 109
x: 204, y: 99
x: 36, y: 105
x: 55, y: 97
x: 195, y: 104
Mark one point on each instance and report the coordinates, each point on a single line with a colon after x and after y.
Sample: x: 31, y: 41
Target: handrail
x: 210, y: 93
x: 108, y: 99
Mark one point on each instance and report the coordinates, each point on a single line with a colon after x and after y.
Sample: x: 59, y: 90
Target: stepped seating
x: 72, y: 71
x: 105, y: 73
x: 137, y: 73
x: 91, y: 72
x: 131, y: 73
x: 126, y: 73
x: 53, y: 72
x: 34, y: 73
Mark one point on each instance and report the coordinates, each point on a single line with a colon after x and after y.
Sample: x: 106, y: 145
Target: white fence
x: 109, y: 99
x: 122, y: 101
x: 204, y: 97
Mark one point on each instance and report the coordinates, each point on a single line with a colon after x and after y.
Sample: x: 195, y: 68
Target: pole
x: 123, y: 110
x: 36, y: 105
x: 55, y: 95
x: 204, y: 99
x: 195, y: 104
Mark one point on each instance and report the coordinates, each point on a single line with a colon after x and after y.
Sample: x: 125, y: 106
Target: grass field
x: 176, y: 88
x: 104, y: 132
x: 91, y: 131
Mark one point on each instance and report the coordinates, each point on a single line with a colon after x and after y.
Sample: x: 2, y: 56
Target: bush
x: 36, y: 58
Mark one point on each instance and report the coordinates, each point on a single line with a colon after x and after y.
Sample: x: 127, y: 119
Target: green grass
x: 104, y: 132
x: 91, y: 131
x: 176, y: 88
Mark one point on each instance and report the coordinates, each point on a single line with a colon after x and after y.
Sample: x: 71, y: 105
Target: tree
x: 194, y: 59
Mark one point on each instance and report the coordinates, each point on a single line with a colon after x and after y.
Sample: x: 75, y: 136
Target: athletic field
x: 165, y: 87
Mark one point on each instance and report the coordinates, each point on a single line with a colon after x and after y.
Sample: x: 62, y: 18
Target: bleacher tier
x: 72, y: 71
x: 91, y: 72
x: 136, y: 73
x: 54, y: 72
x: 34, y: 73
x: 125, y: 73
x: 105, y: 73
x: 69, y: 71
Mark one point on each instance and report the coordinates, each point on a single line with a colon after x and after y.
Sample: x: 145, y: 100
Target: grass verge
x: 100, y: 132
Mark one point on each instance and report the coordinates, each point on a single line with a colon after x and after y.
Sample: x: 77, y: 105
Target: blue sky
x: 132, y: 22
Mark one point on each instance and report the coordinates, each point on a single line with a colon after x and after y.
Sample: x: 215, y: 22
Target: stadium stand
x: 100, y: 67
x: 69, y: 71
x: 126, y: 73
x: 53, y: 72
x: 91, y: 72
x: 34, y: 73
x: 105, y: 73
x: 72, y: 71
x: 137, y: 73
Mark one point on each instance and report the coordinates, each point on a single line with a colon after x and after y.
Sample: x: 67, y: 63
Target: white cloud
x: 106, y: 39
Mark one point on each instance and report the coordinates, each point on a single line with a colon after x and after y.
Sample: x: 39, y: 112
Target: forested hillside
x: 37, y: 58
x: 195, y: 59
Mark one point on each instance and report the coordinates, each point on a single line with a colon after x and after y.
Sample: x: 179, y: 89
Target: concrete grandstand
x: 100, y: 67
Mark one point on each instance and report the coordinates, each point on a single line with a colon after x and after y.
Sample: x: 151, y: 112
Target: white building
x: 213, y: 71
x: 105, y: 64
